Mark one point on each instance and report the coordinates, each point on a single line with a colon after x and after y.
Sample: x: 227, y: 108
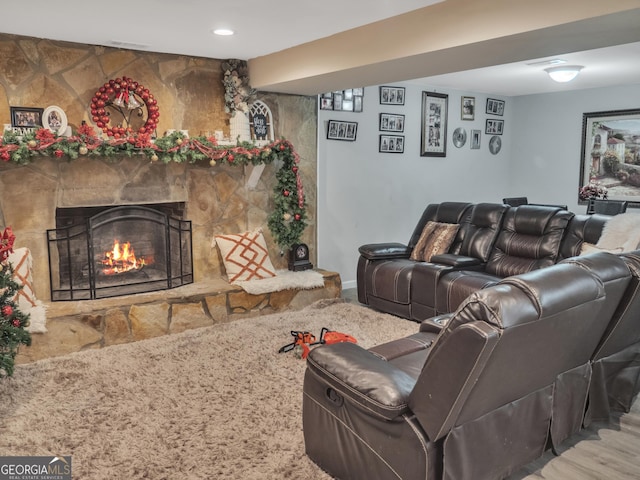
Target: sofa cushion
x: 436, y: 239
x: 245, y: 256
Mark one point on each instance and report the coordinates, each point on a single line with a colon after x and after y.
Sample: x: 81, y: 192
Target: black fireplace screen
x: 119, y: 251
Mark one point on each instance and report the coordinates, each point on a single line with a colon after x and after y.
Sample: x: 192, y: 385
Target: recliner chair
x: 508, y: 371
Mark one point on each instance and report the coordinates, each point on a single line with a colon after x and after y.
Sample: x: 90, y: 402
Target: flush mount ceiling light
x: 565, y: 73
x: 224, y: 32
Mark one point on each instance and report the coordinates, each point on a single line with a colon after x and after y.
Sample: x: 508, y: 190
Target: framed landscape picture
x: 610, y: 153
x: 433, y: 141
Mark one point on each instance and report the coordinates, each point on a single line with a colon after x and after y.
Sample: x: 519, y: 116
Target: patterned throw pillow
x: 245, y: 256
x: 436, y: 238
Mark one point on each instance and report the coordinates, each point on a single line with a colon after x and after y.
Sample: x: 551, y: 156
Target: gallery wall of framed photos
x: 442, y: 121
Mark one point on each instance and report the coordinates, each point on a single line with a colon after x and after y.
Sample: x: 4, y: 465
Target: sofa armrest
x: 456, y: 261
x: 435, y: 324
x: 384, y: 251
x: 373, y: 383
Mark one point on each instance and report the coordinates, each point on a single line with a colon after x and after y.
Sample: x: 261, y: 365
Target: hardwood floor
x: 600, y: 452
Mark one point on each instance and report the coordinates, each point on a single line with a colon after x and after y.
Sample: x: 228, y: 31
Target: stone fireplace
x: 101, y: 252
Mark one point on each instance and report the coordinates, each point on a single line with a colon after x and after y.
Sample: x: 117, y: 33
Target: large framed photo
x: 339, y: 130
x: 467, y: 108
x: 391, y: 144
x: 26, y: 117
x: 610, y: 153
x: 494, y: 127
x: 391, y: 95
x: 495, y: 106
x: 391, y: 122
x: 433, y: 142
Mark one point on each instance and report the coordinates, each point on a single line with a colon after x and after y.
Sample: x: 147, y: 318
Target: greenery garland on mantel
x: 286, y: 222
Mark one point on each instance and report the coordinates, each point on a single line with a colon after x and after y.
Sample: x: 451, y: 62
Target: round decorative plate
x: 495, y: 144
x: 459, y: 137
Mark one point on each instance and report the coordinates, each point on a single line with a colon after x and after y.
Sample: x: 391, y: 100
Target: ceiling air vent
x: 131, y: 45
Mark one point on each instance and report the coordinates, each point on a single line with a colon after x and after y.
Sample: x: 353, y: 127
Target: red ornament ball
x: 286, y: 193
x: 297, y: 216
x: 16, y: 322
x: 7, y: 310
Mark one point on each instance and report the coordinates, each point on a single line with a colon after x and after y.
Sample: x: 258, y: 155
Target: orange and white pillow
x: 245, y: 256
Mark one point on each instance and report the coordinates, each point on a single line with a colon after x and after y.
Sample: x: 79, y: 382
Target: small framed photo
x: 347, y: 105
x: 337, y: 101
x: 391, y: 122
x: 494, y: 127
x: 475, y: 139
x: 26, y: 117
x: 357, y: 102
x: 391, y: 144
x: 339, y: 130
x: 391, y: 95
x: 468, y: 108
x: 326, y: 103
x: 54, y: 119
x: 495, y: 106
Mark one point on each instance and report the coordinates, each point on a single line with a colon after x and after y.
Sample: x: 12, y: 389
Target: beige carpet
x: 213, y: 403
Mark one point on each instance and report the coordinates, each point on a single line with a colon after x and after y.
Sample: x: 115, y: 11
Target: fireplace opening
x: 101, y: 252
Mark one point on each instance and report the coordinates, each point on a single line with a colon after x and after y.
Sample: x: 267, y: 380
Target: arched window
x: 261, y: 122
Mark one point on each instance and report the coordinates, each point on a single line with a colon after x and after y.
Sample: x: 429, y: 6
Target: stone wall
x: 40, y: 73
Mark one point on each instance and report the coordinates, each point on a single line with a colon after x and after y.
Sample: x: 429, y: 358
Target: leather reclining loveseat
x: 492, y: 242
x: 478, y: 393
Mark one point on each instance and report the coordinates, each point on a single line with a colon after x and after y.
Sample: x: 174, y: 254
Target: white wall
x: 547, y: 138
x: 369, y: 197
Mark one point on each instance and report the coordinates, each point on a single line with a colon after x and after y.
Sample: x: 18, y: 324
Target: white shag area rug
x: 213, y: 403
x: 284, y: 280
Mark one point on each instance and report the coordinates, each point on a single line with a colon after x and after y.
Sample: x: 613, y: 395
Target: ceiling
x: 268, y: 32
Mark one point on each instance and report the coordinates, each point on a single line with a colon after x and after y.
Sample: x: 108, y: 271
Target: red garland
x: 121, y: 89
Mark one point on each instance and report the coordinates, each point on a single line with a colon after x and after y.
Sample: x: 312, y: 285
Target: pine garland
x: 286, y: 222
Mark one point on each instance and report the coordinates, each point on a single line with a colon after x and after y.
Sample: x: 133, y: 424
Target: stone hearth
x: 91, y: 324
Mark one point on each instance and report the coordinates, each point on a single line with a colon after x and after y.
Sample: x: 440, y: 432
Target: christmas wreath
x: 127, y: 97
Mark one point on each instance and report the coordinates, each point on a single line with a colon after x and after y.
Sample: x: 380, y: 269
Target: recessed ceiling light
x: 225, y: 32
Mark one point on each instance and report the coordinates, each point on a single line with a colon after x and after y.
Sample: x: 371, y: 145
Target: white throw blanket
x: 284, y: 280
x: 621, y: 231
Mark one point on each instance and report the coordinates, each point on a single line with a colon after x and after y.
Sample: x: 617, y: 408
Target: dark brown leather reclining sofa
x: 492, y: 242
x: 479, y: 393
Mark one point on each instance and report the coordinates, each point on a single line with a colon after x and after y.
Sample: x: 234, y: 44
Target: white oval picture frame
x: 54, y: 119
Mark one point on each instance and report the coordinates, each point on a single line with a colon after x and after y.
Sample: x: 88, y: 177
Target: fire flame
x: 122, y: 259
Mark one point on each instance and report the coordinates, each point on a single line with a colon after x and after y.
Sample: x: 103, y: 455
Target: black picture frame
x: 611, y: 163
x: 392, y: 95
x: 391, y: 122
x: 26, y: 117
x: 391, y: 144
x: 494, y: 126
x: 433, y: 137
x: 341, y: 130
x: 495, y: 107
